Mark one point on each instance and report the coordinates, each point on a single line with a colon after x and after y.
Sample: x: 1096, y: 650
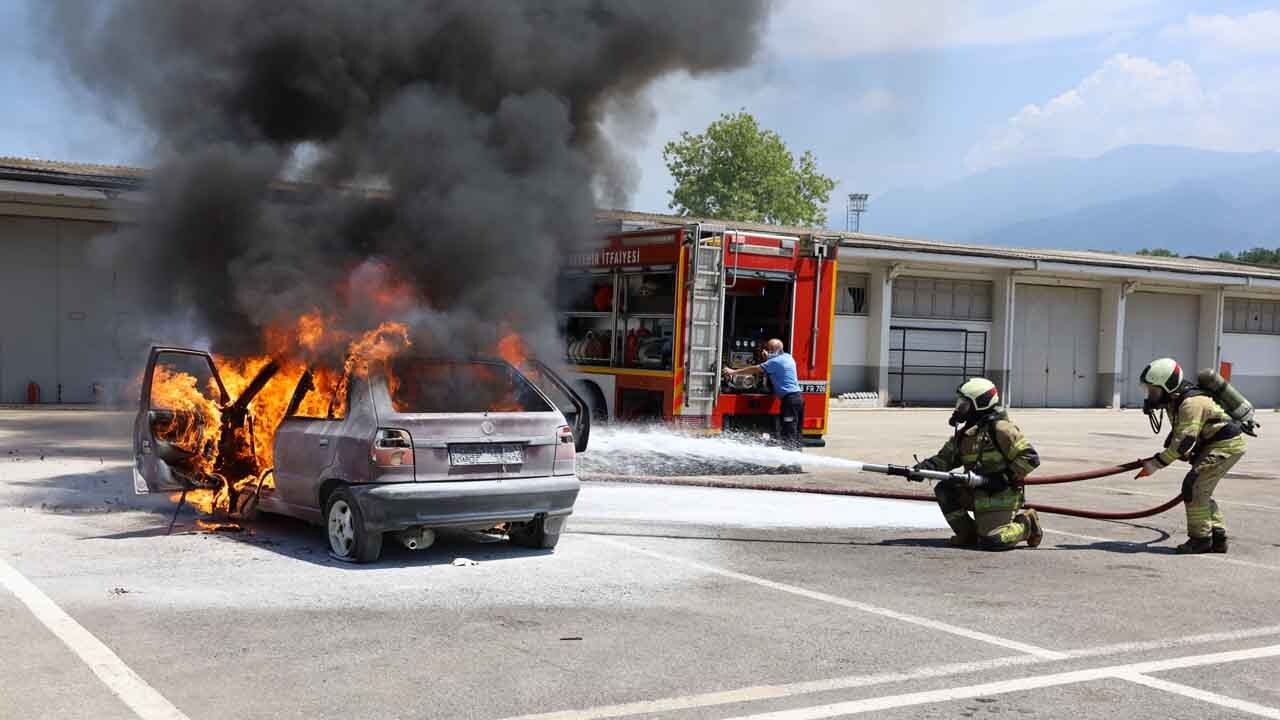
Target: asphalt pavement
x: 660, y: 602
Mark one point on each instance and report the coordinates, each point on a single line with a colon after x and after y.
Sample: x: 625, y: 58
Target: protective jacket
x: 991, y: 446
x: 1200, y: 426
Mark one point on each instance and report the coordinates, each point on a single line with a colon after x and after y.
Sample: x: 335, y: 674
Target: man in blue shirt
x: 781, y: 370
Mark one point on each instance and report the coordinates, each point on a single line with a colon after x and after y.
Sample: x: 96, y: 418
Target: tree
x: 1260, y: 256
x: 1158, y: 252
x: 738, y: 171
x: 1256, y: 256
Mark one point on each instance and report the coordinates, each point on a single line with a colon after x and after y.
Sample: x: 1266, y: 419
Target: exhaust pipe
x: 417, y: 538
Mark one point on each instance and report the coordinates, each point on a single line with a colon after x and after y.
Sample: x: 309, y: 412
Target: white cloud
x: 1133, y: 100
x: 1257, y: 32
x: 843, y: 28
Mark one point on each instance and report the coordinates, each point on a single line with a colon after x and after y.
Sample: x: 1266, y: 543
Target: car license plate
x: 486, y: 454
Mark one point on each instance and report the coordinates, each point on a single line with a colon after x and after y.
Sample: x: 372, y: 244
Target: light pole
x: 853, y: 215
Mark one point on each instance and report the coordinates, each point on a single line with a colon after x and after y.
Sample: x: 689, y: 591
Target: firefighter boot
x: 1035, y: 533
x: 966, y: 531
x: 1196, y: 546
x: 1220, y: 540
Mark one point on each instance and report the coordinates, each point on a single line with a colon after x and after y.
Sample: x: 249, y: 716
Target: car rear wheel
x: 533, y: 534
x: 348, y: 538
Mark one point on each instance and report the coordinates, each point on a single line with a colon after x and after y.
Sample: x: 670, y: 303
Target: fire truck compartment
x: 756, y: 309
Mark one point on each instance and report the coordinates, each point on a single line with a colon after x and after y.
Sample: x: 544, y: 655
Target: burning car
x: 401, y: 444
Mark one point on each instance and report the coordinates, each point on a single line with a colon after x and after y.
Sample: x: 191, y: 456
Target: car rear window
x: 421, y: 386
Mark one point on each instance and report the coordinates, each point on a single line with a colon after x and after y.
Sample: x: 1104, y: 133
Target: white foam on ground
x: 659, y: 450
x: 726, y: 507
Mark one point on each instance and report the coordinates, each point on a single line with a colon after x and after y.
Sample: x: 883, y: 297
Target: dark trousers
x: 791, y: 420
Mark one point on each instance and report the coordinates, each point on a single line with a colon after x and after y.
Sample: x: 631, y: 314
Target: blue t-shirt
x: 782, y: 373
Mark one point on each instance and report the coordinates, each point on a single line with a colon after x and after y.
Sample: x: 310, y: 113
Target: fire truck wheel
x: 532, y: 534
x: 594, y: 397
x: 348, y: 538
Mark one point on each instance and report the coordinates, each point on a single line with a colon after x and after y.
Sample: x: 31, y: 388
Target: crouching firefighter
x: 997, y: 458
x: 1204, y: 435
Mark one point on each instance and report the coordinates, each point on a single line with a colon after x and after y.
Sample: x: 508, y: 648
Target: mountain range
x: 1193, y: 202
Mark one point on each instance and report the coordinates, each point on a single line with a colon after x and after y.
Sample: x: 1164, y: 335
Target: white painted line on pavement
x: 1170, y: 643
x: 1125, y: 491
x: 143, y: 699
x: 843, y: 602
x: 768, y: 692
x: 931, y: 697
x: 1204, y: 696
x: 1216, y: 557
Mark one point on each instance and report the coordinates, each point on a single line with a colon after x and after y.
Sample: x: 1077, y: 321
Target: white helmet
x: 1164, y: 373
x: 976, y: 396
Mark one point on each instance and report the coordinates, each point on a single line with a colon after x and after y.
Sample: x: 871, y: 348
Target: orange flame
x: 196, y: 421
x: 512, y: 349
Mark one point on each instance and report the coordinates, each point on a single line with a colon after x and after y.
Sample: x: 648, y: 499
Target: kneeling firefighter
x: 997, y: 457
x: 1203, y: 434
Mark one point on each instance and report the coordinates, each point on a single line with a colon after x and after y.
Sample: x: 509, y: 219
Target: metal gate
x: 928, y: 364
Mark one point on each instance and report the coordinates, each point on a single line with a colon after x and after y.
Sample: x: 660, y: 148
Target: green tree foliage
x: 738, y: 171
x: 1158, y: 252
x: 1260, y: 256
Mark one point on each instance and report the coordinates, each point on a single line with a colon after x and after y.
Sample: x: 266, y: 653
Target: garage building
x: 914, y: 317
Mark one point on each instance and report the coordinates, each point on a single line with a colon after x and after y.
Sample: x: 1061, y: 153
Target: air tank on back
x: 1232, y: 401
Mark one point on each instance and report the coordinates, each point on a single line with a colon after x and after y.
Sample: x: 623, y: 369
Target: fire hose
x: 906, y: 472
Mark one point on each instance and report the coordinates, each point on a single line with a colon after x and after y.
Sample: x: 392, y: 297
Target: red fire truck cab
x: 650, y: 316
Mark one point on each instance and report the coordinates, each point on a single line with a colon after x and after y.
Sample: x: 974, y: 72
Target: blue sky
x: 887, y: 94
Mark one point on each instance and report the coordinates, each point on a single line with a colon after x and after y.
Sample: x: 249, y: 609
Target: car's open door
x: 176, y: 428
x: 575, y: 410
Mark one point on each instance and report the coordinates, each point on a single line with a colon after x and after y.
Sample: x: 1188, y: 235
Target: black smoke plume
x: 454, y: 147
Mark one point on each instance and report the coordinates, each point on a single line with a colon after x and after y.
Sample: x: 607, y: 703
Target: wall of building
x: 67, y: 321
x: 1000, y: 341
x: 879, y: 307
x: 1255, y: 366
x: 849, y: 366
x: 1112, y: 308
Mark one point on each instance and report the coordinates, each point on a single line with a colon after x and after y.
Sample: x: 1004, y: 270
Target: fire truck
x: 649, y: 317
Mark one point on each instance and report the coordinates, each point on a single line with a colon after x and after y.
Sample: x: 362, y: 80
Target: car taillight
x: 565, y: 452
x: 392, y: 448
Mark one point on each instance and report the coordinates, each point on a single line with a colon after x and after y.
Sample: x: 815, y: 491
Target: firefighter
x: 781, y: 369
x: 1204, y: 435
x: 994, y: 451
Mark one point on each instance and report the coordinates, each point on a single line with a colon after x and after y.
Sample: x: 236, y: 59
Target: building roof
x: 894, y: 244
x: 64, y: 173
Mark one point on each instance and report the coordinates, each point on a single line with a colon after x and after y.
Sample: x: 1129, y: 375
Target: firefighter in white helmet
x: 991, y: 447
x: 1204, y: 435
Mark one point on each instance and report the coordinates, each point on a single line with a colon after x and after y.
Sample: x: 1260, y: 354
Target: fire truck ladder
x: 704, y: 342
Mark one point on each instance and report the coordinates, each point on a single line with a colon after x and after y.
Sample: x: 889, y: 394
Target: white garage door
x: 1158, y: 325
x: 1055, y: 346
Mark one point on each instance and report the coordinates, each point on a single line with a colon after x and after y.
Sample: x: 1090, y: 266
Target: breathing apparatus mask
x: 1161, y: 377
x: 962, y: 412
x: 1153, y: 407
